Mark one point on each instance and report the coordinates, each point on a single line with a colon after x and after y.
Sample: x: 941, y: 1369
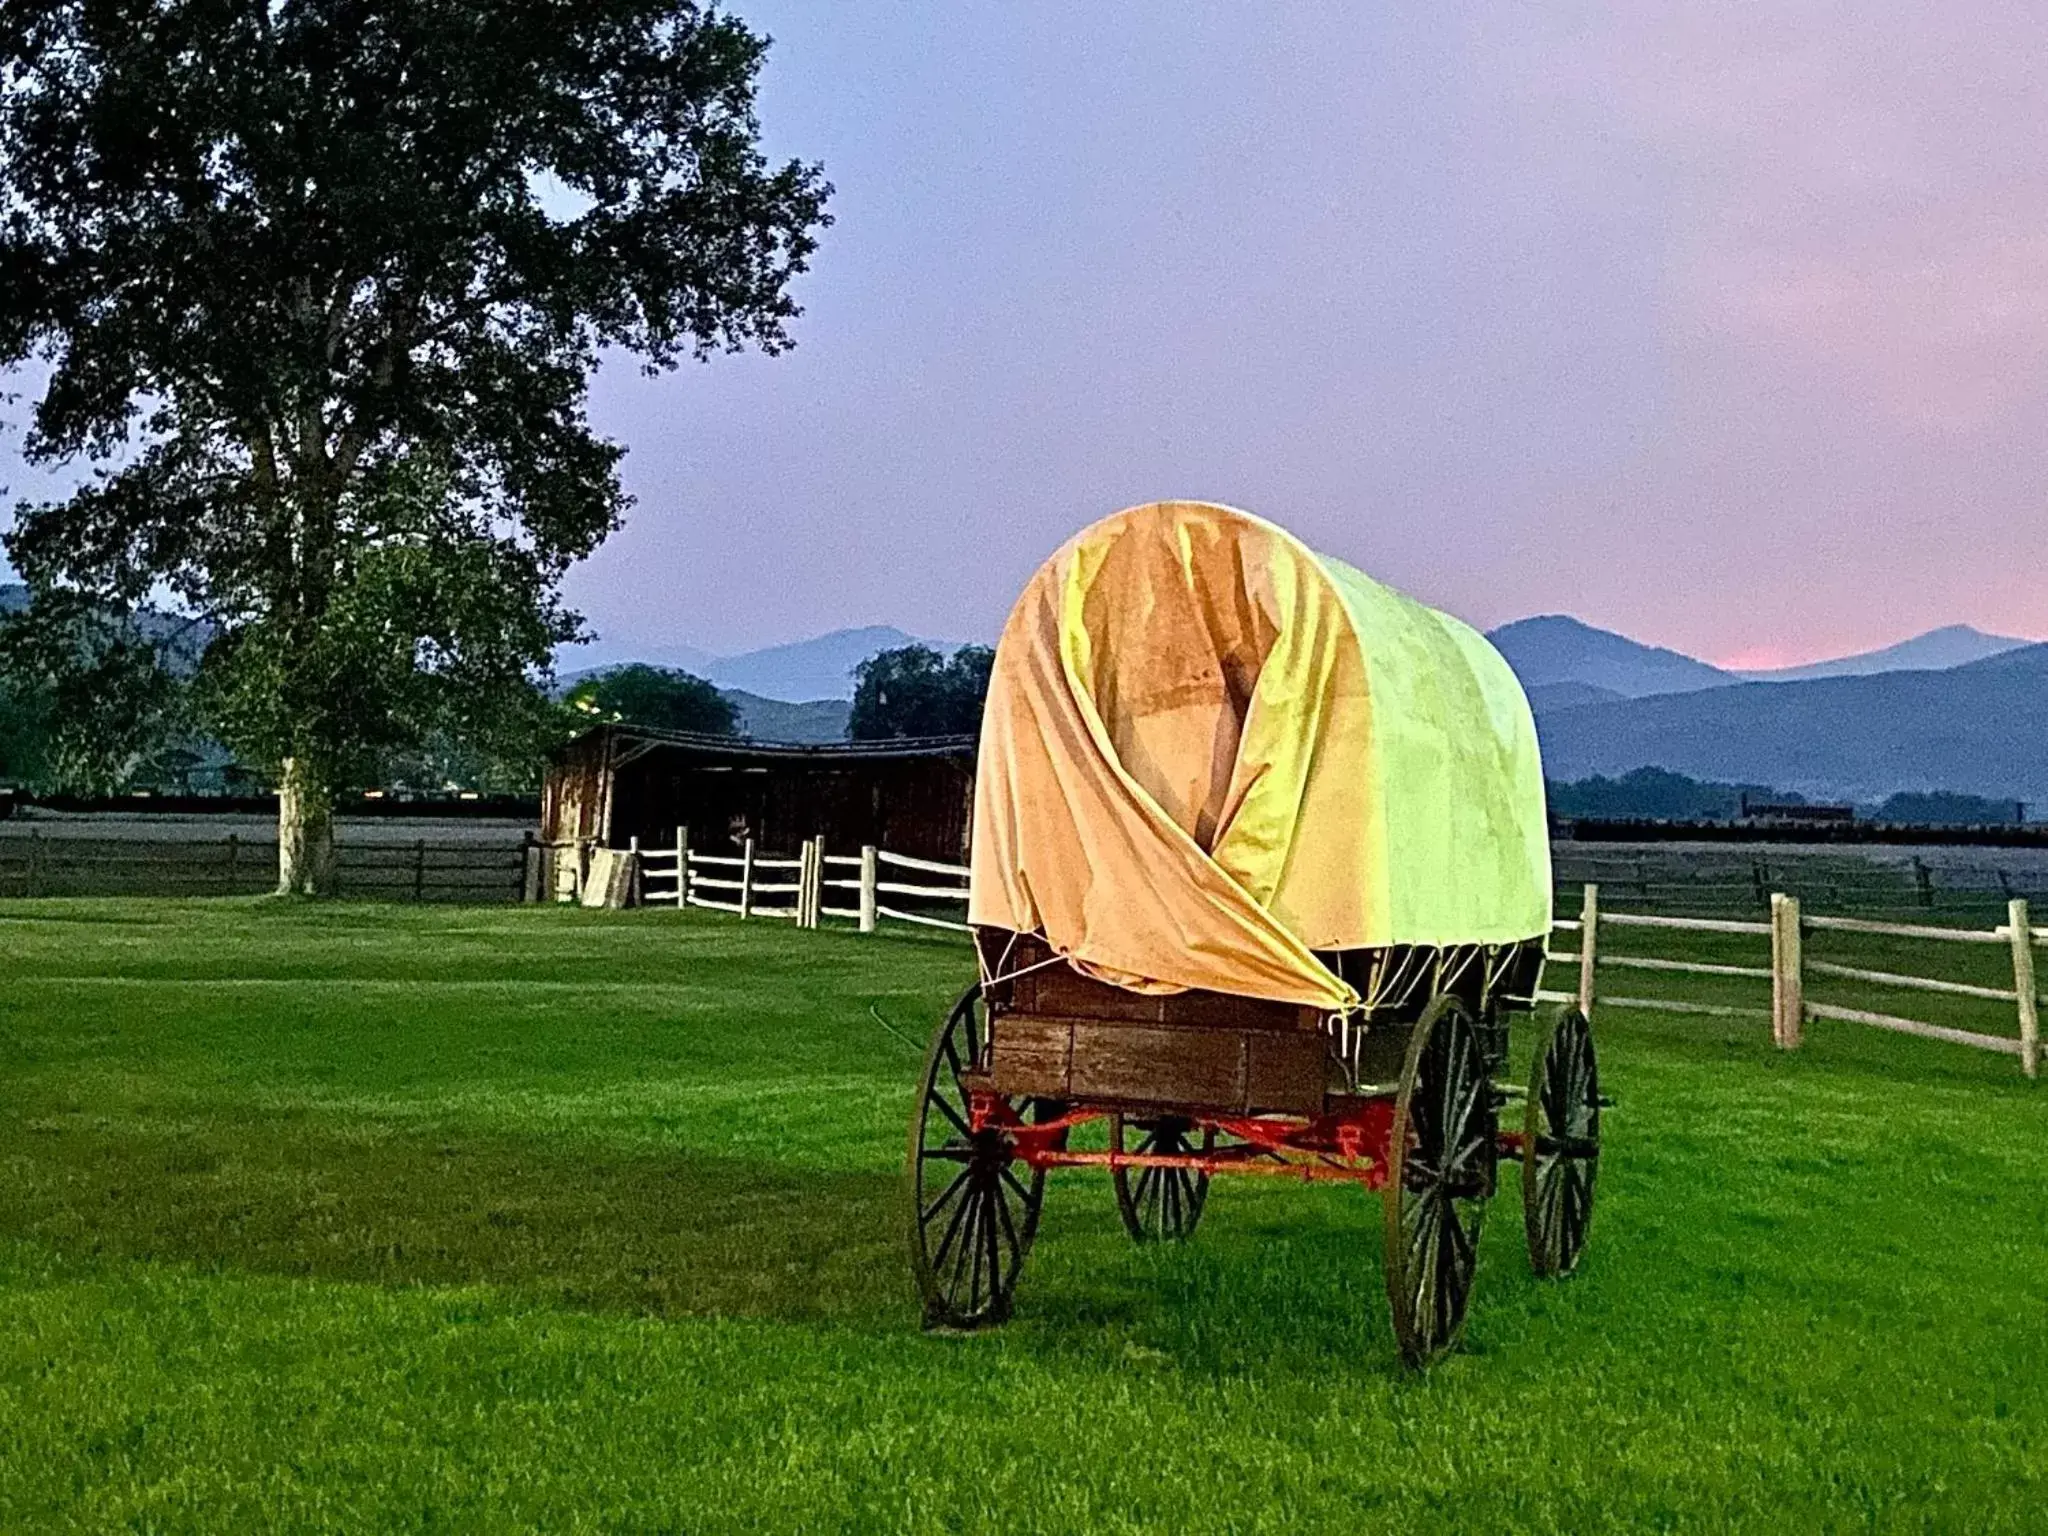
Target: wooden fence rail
x: 1790, y: 1009
x: 418, y: 870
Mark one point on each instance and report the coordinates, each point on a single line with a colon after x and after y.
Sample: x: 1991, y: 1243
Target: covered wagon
x: 1261, y: 873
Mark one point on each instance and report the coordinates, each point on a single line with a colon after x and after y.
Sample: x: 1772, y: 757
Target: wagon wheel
x: 1161, y: 1204
x: 1440, y: 1174
x: 1561, y: 1152
x: 972, y: 1218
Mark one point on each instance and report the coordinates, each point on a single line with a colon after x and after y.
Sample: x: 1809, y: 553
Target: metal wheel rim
x: 1437, y: 1190
x: 972, y: 1217
x: 1161, y: 1204
x: 1561, y: 1150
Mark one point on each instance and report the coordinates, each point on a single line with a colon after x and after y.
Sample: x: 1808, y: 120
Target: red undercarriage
x: 1351, y: 1143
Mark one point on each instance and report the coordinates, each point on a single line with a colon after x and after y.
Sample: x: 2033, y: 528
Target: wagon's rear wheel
x: 973, y: 1207
x: 1561, y: 1149
x: 1161, y: 1204
x: 1440, y: 1175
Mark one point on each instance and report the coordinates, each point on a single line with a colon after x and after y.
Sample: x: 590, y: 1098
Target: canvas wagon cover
x: 1209, y: 751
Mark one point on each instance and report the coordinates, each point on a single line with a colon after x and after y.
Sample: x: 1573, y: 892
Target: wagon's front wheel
x: 973, y: 1207
x: 1440, y: 1175
x: 1161, y: 1204
x: 1561, y: 1145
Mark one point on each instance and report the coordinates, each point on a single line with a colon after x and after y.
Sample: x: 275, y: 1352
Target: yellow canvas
x: 1209, y: 752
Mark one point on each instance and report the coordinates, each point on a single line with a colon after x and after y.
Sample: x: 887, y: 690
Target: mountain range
x: 1555, y: 652
x: 1978, y: 729
x: 1953, y: 709
x: 803, y: 671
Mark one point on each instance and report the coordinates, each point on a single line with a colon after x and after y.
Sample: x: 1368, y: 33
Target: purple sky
x: 1722, y: 325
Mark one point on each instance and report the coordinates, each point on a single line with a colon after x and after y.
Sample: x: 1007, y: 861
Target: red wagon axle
x: 1349, y: 1144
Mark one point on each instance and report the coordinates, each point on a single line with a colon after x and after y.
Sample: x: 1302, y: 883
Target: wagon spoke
x: 1443, y: 1149
x: 952, y: 1231
x: 992, y: 1235
x: 1010, y: 1231
x: 1160, y: 1202
x: 959, y: 1123
x: 967, y: 1262
x: 926, y: 1216
x: 964, y: 1276
x: 1563, y: 1132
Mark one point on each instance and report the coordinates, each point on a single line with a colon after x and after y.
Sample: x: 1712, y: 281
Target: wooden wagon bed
x: 1060, y: 1035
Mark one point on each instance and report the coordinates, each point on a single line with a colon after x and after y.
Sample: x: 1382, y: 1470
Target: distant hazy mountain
x: 808, y: 669
x: 797, y: 673
x: 1548, y: 696
x: 775, y: 720
x: 1555, y: 649
x: 184, y: 641
x: 1976, y: 729
x: 1955, y: 645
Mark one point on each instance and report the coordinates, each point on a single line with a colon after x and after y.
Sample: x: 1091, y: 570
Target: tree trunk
x: 305, y: 831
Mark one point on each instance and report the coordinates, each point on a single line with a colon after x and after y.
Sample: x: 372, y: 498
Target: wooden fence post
x: 419, y: 869
x: 1788, y: 980
x: 682, y: 868
x: 805, y: 851
x: 814, y: 895
x: 33, y: 880
x: 870, y: 872
x: 2023, y: 984
x: 529, y: 868
x: 631, y: 896
x: 1589, y: 946
x: 747, y: 879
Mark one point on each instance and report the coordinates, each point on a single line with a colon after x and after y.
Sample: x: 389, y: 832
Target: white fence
x: 812, y: 886
x: 806, y: 890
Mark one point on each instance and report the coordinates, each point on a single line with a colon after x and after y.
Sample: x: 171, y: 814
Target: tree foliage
x: 1948, y: 808
x: 87, y: 695
x: 320, y: 284
x: 667, y: 699
x: 1657, y: 794
x: 915, y: 691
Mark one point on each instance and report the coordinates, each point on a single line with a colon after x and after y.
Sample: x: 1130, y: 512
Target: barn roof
x: 635, y: 740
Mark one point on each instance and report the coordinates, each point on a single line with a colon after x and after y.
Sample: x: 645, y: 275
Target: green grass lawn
x: 361, y: 1217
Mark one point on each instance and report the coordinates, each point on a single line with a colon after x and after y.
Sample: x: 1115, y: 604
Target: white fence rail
x: 836, y: 885
x: 678, y: 876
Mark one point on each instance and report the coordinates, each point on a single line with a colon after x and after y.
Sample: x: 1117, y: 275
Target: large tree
x: 915, y: 691
x: 664, y: 697
x: 319, y: 286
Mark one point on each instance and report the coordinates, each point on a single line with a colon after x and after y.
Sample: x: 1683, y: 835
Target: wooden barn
x: 617, y: 783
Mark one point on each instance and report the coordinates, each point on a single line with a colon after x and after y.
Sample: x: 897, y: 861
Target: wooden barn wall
x: 572, y: 795
x: 916, y: 806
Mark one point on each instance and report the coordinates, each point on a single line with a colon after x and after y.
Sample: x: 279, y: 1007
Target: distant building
x: 615, y: 783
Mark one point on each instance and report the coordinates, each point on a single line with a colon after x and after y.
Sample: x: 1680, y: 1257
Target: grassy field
x: 384, y: 1218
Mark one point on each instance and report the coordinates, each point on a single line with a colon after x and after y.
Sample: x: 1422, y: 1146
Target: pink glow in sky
x: 1723, y: 325
x: 1760, y: 658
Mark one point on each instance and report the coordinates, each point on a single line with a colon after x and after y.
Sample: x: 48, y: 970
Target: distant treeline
x: 1653, y: 794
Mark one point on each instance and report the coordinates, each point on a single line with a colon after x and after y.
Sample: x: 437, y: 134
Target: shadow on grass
x: 584, y: 1227
x: 1276, y: 1283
